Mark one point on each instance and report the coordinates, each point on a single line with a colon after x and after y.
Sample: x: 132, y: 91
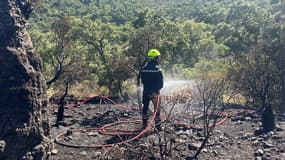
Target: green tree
x: 256, y: 76
x: 106, y: 42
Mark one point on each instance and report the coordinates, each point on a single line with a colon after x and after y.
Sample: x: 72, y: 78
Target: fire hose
x: 110, y: 131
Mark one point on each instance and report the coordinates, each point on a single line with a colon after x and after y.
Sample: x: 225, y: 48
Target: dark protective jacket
x: 151, y: 77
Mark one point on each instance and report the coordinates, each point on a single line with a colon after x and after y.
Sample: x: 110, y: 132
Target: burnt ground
x: 235, y: 139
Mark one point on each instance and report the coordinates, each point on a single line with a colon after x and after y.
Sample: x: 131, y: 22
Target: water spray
x: 172, y: 86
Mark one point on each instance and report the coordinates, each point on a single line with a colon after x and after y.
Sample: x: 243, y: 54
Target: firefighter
x: 152, y: 79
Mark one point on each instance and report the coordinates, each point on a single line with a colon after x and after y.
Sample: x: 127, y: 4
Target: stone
x: 276, y: 137
x: 239, y: 122
x: 193, y: 146
x: 215, y: 153
x: 189, y: 132
x: 281, y: 150
x: 199, y: 134
x: 179, y: 140
x: 93, y: 134
x: 2, y: 145
x: 246, y: 136
x: 68, y: 132
x: 255, y: 143
x: 97, y: 154
x: 83, y: 153
x: 260, y: 139
x: 204, y: 150
x: 282, y: 155
x: 264, y: 136
x: 219, y: 132
x: 257, y: 131
x: 222, y: 138
x: 265, y: 158
x: 253, y: 138
x: 267, y: 154
x: 54, y: 152
x: 247, y: 118
x: 258, y: 152
x: 179, y: 132
x: 270, y: 133
x: 268, y: 145
x: 70, y: 137
x: 279, y: 129
x: 258, y: 158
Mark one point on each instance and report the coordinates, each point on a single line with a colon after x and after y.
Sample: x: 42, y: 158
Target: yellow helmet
x: 152, y: 53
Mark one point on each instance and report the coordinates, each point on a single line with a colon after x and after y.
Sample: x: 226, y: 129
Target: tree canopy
x: 105, y: 41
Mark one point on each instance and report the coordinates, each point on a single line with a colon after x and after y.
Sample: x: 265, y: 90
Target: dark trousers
x: 155, y: 98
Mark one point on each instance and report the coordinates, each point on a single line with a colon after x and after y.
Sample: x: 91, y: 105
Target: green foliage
x: 107, y: 39
x: 256, y: 76
x: 210, y: 69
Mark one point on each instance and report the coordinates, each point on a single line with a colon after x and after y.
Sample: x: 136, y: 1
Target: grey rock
x: 258, y: 158
x: 193, y: 146
x: 180, y: 132
x: 183, y: 136
x: 83, y: 153
x: 238, y: 118
x: 219, y: 132
x: 282, y: 155
x: 179, y: 140
x: 265, y: 158
x: 247, y: 135
x: 268, y: 144
x: 267, y: 150
x: 276, y: 137
x: 184, y: 153
x: 215, y: 153
x: 239, y: 122
x: 253, y: 138
x: 255, y: 143
x: 54, y: 151
x: 204, y: 150
x: 279, y: 129
x: 267, y: 154
x: 247, y: 118
x: 97, y: 154
x: 199, y: 134
x: 68, y: 132
x: 271, y: 133
x: 2, y: 146
x: 265, y: 137
x: 258, y: 152
x: 93, y: 134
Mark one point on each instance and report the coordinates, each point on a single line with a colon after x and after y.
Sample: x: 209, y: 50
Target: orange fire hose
x: 108, y: 130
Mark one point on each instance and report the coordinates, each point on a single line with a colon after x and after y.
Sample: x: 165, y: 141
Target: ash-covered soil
x: 83, y: 138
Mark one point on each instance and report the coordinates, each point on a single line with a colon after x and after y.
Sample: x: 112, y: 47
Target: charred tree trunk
x: 268, y: 119
x: 60, y: 111
x: 24, y: 124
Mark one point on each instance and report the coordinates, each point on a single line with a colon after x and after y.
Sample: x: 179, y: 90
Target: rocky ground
x: 235, y: 139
